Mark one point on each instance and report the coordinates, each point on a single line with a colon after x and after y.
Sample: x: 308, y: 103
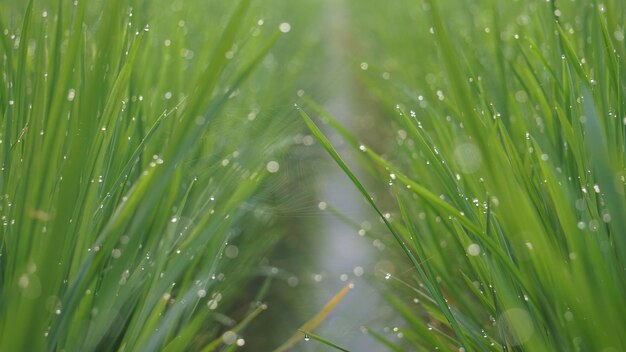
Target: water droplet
x: 229, y: 337
x: 24, y: 281
x: 293, y: 281
x: 71, y: 94
x: 473, y: 249
x: 272, y: 166
x: 284, y: 27
x: 387, y: 276
x: 306, y: 337
x: 569, y: 316
x: 468, y: 158
x: 212, y: 304
x: 358, y: 271
x: 231, y: 251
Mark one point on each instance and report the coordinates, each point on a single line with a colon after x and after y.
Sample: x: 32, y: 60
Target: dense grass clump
x: 507, y: 163
x: 133, y: 170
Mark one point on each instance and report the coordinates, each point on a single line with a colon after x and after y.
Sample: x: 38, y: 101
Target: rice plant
x: 506, y: 164
x: 137, y: 142
x: 145, y: 151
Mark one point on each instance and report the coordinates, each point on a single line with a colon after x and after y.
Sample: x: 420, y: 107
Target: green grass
x: 145, y: 180
x: 137, y: 146
x: 506, y: 163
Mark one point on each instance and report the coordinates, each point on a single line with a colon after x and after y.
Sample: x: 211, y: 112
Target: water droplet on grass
x: 231, y: 251
x: 468, y: 158
x: 473, y: 249
x: 284, y: 27
x: 212, y: 304
x: 293, y: 281
x: 229, y: 337
x: 272, y: 166
x: 24, y: 281
x: 358, y: 271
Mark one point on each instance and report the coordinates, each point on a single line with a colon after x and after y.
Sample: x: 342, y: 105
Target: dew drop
x: 229, y: 337
x: 272, y: 166
x: 71, y: 94
x: 358, y: 271
x: 24, y: 281
x: 284, y: 27
x: 473, y: 249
